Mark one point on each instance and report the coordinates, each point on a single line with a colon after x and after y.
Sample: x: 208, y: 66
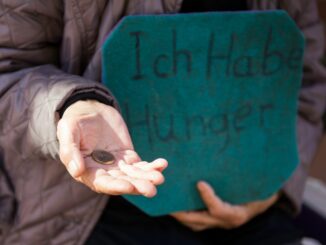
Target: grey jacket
x: 50, y: 51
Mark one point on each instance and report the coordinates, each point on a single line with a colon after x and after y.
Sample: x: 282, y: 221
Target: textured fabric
x: 49, y: 51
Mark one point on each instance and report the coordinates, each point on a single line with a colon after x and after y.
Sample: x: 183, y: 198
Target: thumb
x: 69, y: 152
x: 76, y: 165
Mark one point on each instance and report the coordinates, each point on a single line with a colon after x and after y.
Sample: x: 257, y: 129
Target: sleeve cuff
x: 83, y: 96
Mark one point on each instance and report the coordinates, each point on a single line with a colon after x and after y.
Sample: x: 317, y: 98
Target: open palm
x: 89, y: 125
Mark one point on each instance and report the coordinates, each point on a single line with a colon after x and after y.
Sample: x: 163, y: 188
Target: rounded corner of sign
x: 285, y: 15
x: 281, y: 13
x: 124, y: 20
x: 115, y: 29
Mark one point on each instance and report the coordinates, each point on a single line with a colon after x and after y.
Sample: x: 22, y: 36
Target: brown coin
x: 103, y: 157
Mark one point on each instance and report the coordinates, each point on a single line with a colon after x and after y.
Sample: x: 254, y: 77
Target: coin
x: 103, y: 157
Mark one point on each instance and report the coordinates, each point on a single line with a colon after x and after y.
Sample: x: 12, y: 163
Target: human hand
x: 220, y: 214
x: 90, y: 125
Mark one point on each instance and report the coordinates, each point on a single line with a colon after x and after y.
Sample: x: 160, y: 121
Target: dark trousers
x: 122, y: 223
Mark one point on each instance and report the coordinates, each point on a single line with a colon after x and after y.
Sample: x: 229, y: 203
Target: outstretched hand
x: 220, y: 214
x: 90, y: 125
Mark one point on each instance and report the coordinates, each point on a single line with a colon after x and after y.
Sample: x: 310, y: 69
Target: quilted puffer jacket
x: 49, y: 52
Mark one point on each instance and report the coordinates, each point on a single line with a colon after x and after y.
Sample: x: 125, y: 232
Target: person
x: 54, y: 109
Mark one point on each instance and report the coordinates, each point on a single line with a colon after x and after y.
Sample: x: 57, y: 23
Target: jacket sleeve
x: 171, y: 6
x: 312, y: 99
x: 160, y: 6
x: 32, y: 87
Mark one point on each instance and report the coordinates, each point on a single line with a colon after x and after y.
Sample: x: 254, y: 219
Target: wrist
x: 82, y: 107
x: 89, y: 96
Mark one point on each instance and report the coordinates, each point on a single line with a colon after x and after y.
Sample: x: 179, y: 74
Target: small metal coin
x: 103, y: 157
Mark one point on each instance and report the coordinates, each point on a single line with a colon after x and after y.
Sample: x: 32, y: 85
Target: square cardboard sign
x: 215, y: 94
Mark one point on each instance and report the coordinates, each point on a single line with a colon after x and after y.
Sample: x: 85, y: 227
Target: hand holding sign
x: 89, y: 126
x: 221, y: 214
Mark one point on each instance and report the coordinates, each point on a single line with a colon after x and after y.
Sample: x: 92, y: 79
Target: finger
x: 154, y: 176
x: 212, y: 202
x: 76, y: 166
x: 159, y: 164
x: 143, y: 187
x: 115, y: 173
x: 129, y: 156
x: 192, y: 226
x: 99, y: 181
x: 69, y: 151
x: 255, y: 208
x: 229, y: 215
x: 201, y: 218
x: 234, y: 216
x: 197, y: 227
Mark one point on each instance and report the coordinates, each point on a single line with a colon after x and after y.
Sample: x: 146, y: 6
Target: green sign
x: 215, y: 94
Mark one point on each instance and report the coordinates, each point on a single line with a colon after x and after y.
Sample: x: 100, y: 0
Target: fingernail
x: 151, y: 193
x: 73, y: 168
x: 201, y: 184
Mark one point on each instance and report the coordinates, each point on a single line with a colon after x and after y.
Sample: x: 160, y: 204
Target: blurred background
x: 313, y: 217
x: 318, y: 169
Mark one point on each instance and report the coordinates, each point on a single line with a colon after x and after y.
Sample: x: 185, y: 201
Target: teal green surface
x: 215, y: 94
